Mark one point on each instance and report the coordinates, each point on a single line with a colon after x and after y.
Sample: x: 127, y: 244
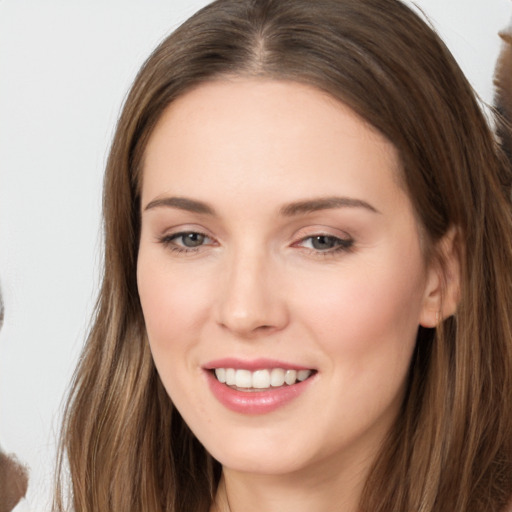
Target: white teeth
x: 277, y: 377
x: 230, y: 377
x: 303, y: 375
x: 260, y: 379
x: 290, y: 377
x: 220, y: 373
x: 243, y: 379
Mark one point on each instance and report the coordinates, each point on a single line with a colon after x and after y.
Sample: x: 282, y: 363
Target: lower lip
x: 255, y: 402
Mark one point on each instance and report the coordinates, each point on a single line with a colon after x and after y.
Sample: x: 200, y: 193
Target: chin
x: 261, y: 463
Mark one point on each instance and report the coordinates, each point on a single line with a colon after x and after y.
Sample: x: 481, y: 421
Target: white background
x: 65, y: 67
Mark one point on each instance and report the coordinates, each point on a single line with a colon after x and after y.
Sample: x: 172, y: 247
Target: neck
x: 297, y: 492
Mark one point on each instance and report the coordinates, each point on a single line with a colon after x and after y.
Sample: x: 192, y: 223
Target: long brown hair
x: 451, y: 447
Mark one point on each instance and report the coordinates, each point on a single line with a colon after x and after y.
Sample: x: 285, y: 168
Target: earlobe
x: 442, y: 291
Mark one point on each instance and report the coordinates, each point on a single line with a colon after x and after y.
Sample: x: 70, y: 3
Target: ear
x: 442, y: 290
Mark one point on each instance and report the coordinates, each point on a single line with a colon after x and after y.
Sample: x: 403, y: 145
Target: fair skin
x: 276, y: 235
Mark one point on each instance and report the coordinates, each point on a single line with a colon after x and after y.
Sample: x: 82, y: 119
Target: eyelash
x: 340, y: 244
x: 168, y: 241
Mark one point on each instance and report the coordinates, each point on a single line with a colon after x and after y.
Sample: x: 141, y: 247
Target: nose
x: 250, y: 300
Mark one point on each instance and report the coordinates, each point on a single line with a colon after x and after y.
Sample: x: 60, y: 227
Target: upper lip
x: 253, y: 364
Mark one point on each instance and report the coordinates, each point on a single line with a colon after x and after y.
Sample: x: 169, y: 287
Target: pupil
x: 193, y: 239
x: 323, y: 242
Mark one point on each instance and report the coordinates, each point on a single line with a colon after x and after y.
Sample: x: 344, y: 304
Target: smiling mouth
x: 246, y: 380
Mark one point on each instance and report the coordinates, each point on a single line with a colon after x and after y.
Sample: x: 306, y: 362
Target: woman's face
x: 278, y: 245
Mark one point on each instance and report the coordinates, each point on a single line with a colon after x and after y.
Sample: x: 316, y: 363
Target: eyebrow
x: 181, y: 203
x: 324, y: 203
x: 289, y: 210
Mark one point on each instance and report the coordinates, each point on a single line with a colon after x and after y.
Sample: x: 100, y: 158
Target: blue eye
x: 190, y: 240
x: 327, y: 243
x: 185, y: 241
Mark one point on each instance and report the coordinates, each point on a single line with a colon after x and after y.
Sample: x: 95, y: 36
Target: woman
x: 307, y: 281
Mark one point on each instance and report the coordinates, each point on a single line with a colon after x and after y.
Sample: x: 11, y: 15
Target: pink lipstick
x: 257, y: 386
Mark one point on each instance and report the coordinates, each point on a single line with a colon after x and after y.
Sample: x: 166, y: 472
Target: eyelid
x: 339, y: 244
x: 169, y: 236
x: 178, y: 229
x: 320, y: 230
x: 344, y: 242
x: 182, y: 234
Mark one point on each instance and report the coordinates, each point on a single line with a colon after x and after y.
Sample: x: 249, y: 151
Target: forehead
x: 266, y: 103
x: 245, y: 134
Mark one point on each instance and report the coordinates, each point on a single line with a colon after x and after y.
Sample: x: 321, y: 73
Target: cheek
x: 174, y: 308
x: 371, y: 312
x: 366, y: 323
x: 174, y: 304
